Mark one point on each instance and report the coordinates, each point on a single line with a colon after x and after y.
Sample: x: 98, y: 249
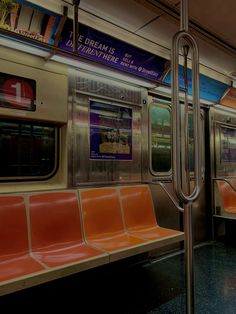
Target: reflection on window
x: 161, y: 139
x: 27, y: 150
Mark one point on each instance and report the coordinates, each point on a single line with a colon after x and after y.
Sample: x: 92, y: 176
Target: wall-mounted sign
x: 113, y: 52
x: 210, y: 89
x: 17, y: 92
x: 229, y: 99
x: 29, y: 20
x: 110, y: 132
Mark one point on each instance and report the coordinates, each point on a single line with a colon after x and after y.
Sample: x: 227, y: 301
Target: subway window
x: 28, y: 150
x: 160, y: 139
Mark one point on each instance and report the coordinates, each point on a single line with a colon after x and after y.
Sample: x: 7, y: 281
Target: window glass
x: 160, y: 139
x: 27, y: 150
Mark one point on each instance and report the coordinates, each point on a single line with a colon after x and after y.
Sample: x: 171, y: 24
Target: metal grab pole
x: 75, y: 25
x: 189, y: 258
x: 186, y: 197
x: 176, y: 159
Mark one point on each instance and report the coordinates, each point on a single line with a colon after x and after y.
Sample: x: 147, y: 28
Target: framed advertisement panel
x: 228, y: 144
x: 110, y: 131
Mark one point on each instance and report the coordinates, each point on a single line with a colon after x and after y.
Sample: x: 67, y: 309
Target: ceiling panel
x: 127, y: 14
x: 173, y: 2
x: 159, y: 31
x: 217, y: 16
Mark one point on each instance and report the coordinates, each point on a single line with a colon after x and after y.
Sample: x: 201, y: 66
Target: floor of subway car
x: 152, y: 288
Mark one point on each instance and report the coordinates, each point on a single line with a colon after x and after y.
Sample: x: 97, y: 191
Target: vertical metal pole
x: 76, y: 25
x: 188, y: 229
x: 189, y: 257
x: 184, y: 15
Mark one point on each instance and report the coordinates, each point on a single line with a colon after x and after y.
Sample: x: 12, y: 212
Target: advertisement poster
x: 110, y: 132
x: 29, y: 20
x: 113, y: 52
x: 228, y: 144
x: 210, y: 89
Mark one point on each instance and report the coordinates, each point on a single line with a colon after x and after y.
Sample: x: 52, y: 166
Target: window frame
x: 56, y: 154
x: 156, y: 103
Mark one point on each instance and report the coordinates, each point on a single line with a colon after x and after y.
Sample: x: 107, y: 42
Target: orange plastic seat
x: 103, y: 222
x: 139, y: 214
x: 15, y: 260
x: 56, y: 232
x: 228, y: 196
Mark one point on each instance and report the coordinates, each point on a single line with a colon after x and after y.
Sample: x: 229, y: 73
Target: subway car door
x: 159, y: 169
x: 223, y: 159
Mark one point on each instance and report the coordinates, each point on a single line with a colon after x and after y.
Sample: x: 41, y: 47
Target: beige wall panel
x: 51, y: 90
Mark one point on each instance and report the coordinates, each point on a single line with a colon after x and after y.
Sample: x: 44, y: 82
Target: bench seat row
x: 48, y: 235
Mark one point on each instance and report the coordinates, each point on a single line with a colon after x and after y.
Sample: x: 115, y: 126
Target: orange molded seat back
x: 101, y: 212
x: 54, y: 218
x: 13, y: 226
x: 138, y: 207
x: 228, y: 196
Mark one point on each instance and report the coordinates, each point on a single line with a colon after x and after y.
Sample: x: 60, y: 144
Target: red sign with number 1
x: 17, y: 92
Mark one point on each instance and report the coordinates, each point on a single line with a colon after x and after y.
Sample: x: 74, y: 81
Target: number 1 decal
x: 17, y: 92
x: 17, y: 87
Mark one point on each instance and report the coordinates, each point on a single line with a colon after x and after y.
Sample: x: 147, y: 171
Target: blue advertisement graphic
x: 113, y: 52
x: 110, y: 132
x: 210, y: 89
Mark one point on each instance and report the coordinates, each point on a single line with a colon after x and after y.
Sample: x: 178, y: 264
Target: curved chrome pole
x: 176, y: 158
x: 189, y: 197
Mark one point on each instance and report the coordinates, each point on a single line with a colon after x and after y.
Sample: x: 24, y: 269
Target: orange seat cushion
x: 15, y: 260
x: 103, y: 222
x: 19, y: 265
x: 56, y: 229
x: 228, y: 196
x: 139, y: 214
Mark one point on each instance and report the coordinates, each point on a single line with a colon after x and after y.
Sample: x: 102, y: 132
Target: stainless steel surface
x: 169, y: 195
x: 221, y: 169
x: 162, y: 207
x: 222, y: 119
x: 88, y: 87
x: 167, y: 214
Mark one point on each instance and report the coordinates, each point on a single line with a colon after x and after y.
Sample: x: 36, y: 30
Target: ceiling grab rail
x: 182, y: 189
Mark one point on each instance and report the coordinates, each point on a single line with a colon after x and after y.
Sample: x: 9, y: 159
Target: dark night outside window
x: 27, y: 150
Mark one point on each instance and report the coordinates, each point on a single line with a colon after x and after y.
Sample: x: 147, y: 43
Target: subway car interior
x: 117, y: 156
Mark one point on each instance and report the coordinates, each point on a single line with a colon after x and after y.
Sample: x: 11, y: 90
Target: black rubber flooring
x: 142, y: 289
